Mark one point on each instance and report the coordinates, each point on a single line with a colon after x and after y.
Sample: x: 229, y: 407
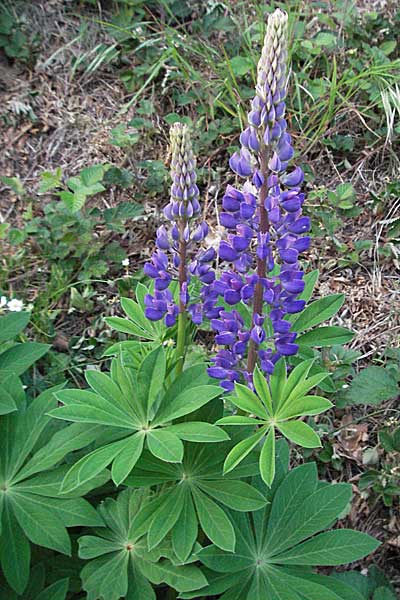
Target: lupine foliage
x: 192, y: 490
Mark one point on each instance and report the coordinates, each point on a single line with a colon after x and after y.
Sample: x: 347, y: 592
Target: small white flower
x: 3, y: 301
x: 15, y: 305
x: 125, y: 262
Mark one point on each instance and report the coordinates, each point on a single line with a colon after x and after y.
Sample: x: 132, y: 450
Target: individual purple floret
x: 265, y: 230
x: 178, y: 254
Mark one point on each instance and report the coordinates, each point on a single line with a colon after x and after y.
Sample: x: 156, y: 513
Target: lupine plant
x: 199, y: 500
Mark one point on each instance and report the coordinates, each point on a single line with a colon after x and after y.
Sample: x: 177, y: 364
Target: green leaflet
x: 127, y: 457
x: 237, y: 495
x: 198, y: 432
x: 166, y: 516
x: 21, y: 356
x: 214, y: 522
x: 165, y: 445
x: 32, y: 515
x: 12, y: 323
x: 267, y: 458
x: 241, y: 450
x: 185, y: 531
x: 325, y: 336
x: 317, y: 312
x: 300, y: 433
x: 330, y: 548
x: 56, y: 591
x: 246, y: 400
x: 15, y: 552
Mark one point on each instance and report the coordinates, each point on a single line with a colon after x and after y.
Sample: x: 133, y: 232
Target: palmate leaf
x: 31, y: 509
x: 120, y: 562
x: 205, y: 496
x: 275, y: 403
x: 139, y: 406
x: 273, y: 543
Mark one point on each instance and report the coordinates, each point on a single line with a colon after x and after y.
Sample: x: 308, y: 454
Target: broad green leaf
x: 56, y: 591
x: 181, y: 578
x: 277, y: 382
x: 165, y: 445
x: 70, y: 438
x: 133, y: 310
x: 339, y: 589
x: 225, y: 562
x: 48, y: 483
x: 296, y: 377
x: 27, y: 426
x: 373, y: 385
x: 7, y: 402
x: 383, y: 593
x: 79, y: 413
x: 90, y: 465
x: 246, y: 400
x: 91, y: 546
x: 106, y: 576
x: 166, y: 516
x: 126, y: 326
x: 198, y: 432
x: 307, y: 589
x: 184, y: 532
x: 234, y: 494
x: 150, y: 378
x: 12, y: 323
x: 297, y: 485
x: 104, y: 386
x: 318, y: 311
x: 303, y: 387
x: 317, y: 511
x: 267, y: 458
x: 241, y: 450
x: 214, y: 522
x: 15, y: 552
x: 262, y: 389
x: 21, y: 356
x: 91, y: 175
x: 330, y: 548
x: 300, y: 433
x: 73, y: 512
x: 310, y: 279
x: 127, y: 458
x: 307, y: 405
x: 325, y: 336
x: 31, y: 517
x: 238, y: 420
x: 186, y: 402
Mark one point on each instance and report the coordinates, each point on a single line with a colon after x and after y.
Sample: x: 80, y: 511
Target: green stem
x: 181, y: 342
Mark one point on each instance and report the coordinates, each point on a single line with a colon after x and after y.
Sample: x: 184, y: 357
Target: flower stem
x: 181, y: 337
x: 261, y: 264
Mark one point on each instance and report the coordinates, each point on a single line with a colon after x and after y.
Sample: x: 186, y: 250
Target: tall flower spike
x: 265, y: 227
x: 178, y: 254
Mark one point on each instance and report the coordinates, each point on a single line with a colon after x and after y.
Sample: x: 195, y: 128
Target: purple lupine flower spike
x: 178, y: 255
x: 264, y: 230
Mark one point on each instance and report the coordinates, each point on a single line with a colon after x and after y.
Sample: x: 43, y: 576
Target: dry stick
x: 261, y: 263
